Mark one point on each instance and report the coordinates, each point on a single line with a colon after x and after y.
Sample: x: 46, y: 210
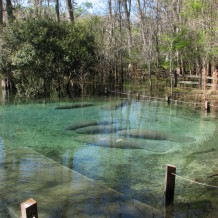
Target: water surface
x: 109, y: 154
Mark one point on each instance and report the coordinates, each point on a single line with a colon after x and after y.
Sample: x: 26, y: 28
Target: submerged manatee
x: 73, y: 106
x: 123, y: 143
x: 79, y: 125
x: 155, y: 135
x: 99, y: 129
x: 144, y: 134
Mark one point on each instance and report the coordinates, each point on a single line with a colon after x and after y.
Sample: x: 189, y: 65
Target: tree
x: 57, y: 10
x: 127, y: 11
x: 70, y: 11
x: 1, y: 15
x: 9, y: 9
x: 41, y: 61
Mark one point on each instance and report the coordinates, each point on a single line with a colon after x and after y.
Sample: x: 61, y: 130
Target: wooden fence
x: 198, y: 80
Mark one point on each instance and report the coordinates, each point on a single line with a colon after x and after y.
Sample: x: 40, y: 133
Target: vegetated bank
x: 44, y: 48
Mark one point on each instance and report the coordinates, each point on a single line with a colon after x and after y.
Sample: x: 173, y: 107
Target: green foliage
x: 193, y: 8
x: 40, y: 54
x: 176, y: 41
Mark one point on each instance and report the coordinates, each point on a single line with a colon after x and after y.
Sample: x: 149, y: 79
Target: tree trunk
x: 129, y: 31
x: 9, y: 10
x: 149, y: 72
x: 209, y: 68
x: 204, y: 72
x: 171, y: 78
x: 157, y: 40
x: 141, y: 23
x: 111, y: 39
x: 1, y: 16
x: 70, y: 11
x: 57, y: 10
x: 121, y: 45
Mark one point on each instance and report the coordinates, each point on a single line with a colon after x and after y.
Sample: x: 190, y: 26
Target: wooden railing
x: 195, y: 80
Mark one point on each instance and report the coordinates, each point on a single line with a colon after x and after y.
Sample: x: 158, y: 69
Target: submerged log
x: 73, y: 106
x: 155, y: 135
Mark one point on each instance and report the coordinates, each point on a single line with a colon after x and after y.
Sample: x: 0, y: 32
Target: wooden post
x: 169, y: 184
x: 207, y: 106
x: 106, y: 91
x: 29, y: 209
x: 167, y: 99
x: 137, y: 96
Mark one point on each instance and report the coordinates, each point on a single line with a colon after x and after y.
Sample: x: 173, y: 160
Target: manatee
x: 87, y: 123
x: 144, y: 134
x: 123, y: 143
x: 97, y: 129
x: 155, y: 135
x: 73, y: 106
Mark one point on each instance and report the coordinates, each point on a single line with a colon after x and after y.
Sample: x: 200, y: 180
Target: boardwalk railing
x: 196, y: 80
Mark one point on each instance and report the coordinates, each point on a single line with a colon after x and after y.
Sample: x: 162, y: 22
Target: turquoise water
x: 108, y: 153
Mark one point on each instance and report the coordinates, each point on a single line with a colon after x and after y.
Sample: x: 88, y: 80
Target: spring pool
x: 122, y: 144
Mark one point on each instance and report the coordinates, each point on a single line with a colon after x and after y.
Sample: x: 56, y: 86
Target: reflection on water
x: 123, y: 144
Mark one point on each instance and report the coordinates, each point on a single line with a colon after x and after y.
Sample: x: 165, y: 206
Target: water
x: 134, y: 167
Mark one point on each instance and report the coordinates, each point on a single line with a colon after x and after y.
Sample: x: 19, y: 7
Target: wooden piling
x: 29, y: 209
x: 137, y: 96
x: 207, y: 106
x: 106, y: 91
x: 167, y: 98
x: 169, y: 184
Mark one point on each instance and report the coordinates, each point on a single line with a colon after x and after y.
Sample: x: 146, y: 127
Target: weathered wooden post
x: 167, y: 98
x: 29, y: 209
x: 106, y: 91
x: 169, y: 184
x: 137, y: 96
x: 207, y: 106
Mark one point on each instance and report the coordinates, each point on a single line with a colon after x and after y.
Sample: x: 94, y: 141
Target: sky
x: 98, y: 5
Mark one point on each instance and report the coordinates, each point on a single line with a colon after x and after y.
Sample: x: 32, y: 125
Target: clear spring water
x: 138, y: 170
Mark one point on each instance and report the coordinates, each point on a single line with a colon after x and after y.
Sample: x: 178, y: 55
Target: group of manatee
x: 106, y: 133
